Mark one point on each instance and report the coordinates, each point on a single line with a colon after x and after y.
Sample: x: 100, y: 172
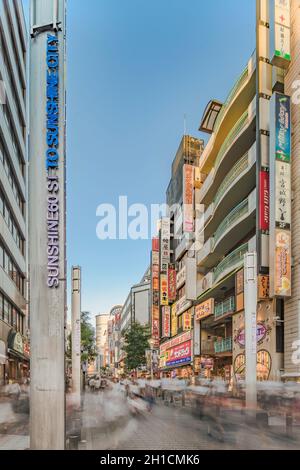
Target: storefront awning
x: 18, y: 355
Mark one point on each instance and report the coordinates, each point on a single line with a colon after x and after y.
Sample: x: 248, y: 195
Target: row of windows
x: 9, y: 122
x: 14, y: 46
x: 20, y: 33
x: 11, y: 177
x: 12, y: 83
x: 9, y: 266
x: 8, y: 217
x: 11, y: 315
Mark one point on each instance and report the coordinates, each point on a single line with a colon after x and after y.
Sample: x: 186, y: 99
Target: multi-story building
x: 101, y: 339
x: 244, y: 200
x: 113, y: 336
x: 176, y: 272
x: 136, y: 307
x: 14, y: 348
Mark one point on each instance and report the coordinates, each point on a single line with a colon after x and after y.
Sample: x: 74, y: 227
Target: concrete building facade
x: 101, y: 339
x: 243, y: 194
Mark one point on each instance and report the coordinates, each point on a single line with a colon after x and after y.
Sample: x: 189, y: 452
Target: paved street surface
x: 14, y: 427
x: 107, y: 424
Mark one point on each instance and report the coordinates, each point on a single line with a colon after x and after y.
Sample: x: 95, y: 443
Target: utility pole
x: 250, y: 292
x: 76, y: 336
x: 47, y: 224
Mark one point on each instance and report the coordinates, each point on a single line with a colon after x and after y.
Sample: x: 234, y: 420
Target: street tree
x: 88, y: 340
x: 136, y: 341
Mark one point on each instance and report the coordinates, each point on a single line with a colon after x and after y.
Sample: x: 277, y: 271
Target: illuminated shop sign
x: 180, y: 354
x: 52, y: 160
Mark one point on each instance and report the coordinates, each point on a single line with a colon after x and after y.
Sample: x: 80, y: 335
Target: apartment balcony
x: 234, y: 260
x: 221, y: 279
x: 237, y: 142
x: 225, y: 308
x: 234, y: 227
x: 223, y: 346
x: 183, y: 246
x: 234, y: 188
x: 235, y: 105
x: 207, y: 347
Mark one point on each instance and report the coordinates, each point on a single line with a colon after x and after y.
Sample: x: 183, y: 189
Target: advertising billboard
x: 204, y: 310
x: 172, y: 283
x: 164, y: 300
x: 280, y: 33
x: 166, y: 321
x: 174, y: 320
x: 188, y: 198
x: 165, y: 245
x: 280, y: 200
x: 180, y: 354
x: 264, y: 197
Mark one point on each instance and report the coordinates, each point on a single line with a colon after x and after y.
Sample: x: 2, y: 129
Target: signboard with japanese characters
x: 174, y: 320
x: 172, y: 283
x: 280, y: 33
x: 283, y: 195
x: 188, y: 198
x: 204, y: 310
x: 239, y: 290
x: 280, y: 196
x: 165, y: 245
x: 166, y: 320
x: 263, y: 287
x: 164, y: 300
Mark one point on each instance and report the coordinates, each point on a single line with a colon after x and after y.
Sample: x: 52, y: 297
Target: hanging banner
x: 172, y: 283
x: 280, y: 33
x: 282, y: 275
x: 187, y: 320
x: 164, y: 289
x: 155, y: 244
x: 164, y: 245
x: 263, y: 287
x: 155, y: 323
x: 239, y: 290
x: 174, y: 320
x: 166, y: 320
x: 280, y: 190
x: 188, y: 198
x: 283, y: 195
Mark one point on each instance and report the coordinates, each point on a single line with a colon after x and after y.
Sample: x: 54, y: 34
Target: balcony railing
x: 225, y: 345
x: 232, y: 260
x: 240, y: 166
x: 240, y: 210
x: 207, y: 347
x: 234, y: 91
x: 228, y: 306
x: 231, y: 137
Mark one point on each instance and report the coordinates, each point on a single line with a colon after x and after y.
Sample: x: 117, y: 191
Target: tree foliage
x: 88, y: 341
x: 136, y: 341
